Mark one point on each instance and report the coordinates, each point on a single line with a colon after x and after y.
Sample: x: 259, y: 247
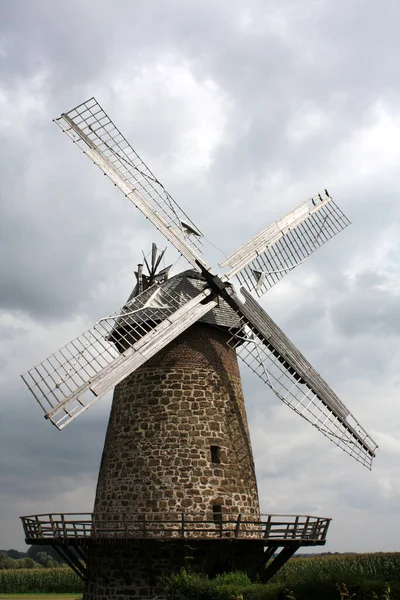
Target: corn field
x: 21, y: 581
x: 382, y: 566
x: 378, y: 567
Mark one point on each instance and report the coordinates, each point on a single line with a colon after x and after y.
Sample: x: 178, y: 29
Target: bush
x: 228, y: 586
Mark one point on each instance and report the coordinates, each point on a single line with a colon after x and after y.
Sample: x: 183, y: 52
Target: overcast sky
x: 243, y: 110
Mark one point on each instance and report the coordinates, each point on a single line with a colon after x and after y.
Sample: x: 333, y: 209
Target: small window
x: 217, y: 513
x: 215, y: 454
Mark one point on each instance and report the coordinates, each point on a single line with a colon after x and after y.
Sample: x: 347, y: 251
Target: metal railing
x: 271, y: 528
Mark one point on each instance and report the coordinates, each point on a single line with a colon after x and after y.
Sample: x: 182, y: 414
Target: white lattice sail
x: 69, y: 381
x: 91, y: 129
x: 266, y: 258
x: 263, y: 346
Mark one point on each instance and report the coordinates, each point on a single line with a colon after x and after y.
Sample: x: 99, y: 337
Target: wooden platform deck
x: 86, y: 528
x: 72, y: 535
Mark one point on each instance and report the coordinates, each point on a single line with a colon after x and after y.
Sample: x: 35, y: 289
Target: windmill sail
x: 69, y: 381
x: 273, y: 253
x: 263, y: 346
x: 95, y: 134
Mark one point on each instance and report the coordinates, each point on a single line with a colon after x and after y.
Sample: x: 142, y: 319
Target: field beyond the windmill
x: 374, y: 576
x: 40, y: 597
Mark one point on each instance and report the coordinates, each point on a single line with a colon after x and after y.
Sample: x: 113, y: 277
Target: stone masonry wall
x: 164, y: 419
x: 141, y: 568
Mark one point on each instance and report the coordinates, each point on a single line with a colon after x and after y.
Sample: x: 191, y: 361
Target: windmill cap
x: 186, y: 285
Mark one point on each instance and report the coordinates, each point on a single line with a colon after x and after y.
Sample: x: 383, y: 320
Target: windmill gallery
x: 177, y: 484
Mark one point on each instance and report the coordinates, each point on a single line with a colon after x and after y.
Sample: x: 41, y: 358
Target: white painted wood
x: 136, y: 355
x: 153, y: 342
x: 98, y: 157
x: 256, y: 245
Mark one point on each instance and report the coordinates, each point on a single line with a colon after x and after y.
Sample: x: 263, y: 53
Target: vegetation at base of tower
x: 366, y: 576
x: 196, y: 587
x: 24, y: 581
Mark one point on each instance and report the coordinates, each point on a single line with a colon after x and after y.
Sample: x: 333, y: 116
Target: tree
x: 34, y: 551
x: 46, y: 560
x: 16, y: 554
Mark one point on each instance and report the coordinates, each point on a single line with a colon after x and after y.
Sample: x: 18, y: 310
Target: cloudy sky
x: 243, y: 110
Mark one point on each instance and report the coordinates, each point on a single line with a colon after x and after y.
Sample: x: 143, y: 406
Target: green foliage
x: 344, y: 592
x: 14, y: 553
x: 317, y: 578
x: 365, y: 590
x: 41, y: 597
x: 22, y: 581
x: 228, y: 586
x: 44, y: 559
x: 383, y: 566
x: 232, y: 578
x: 195, y: 587
x: 17, y: 563
x: 385, y: 594
x: 12, y: 559
x: 36, y: 550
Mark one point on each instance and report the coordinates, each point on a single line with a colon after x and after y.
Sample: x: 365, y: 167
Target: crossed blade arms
x: 72, y: 379
x: 269, y: 256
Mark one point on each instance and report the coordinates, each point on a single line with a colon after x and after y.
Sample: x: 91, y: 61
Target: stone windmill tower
x: 177, y: 484
x: 178, y: 423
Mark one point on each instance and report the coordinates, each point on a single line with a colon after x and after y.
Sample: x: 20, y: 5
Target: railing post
x: 25, y: 526
x: 296, y: 523
x: 183, y: 524
x: 53, y: 527
x: 325, y: 530
x: 63, y: 525
x: 237, y: 528
x: 305, y: 528
x: 267, y: 527
x: 94, y: 532
x: 314, y: 529
x: 220, y: 526
x: 39, y: 527
x: 88, y: 527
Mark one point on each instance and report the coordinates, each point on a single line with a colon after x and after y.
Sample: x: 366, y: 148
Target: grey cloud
x: 69, y: 243
x: 369, y: 308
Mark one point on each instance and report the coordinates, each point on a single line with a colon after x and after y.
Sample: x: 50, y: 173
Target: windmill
x: 177, y: 465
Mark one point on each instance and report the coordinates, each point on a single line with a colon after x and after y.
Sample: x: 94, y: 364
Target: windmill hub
x: 177, y: 483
